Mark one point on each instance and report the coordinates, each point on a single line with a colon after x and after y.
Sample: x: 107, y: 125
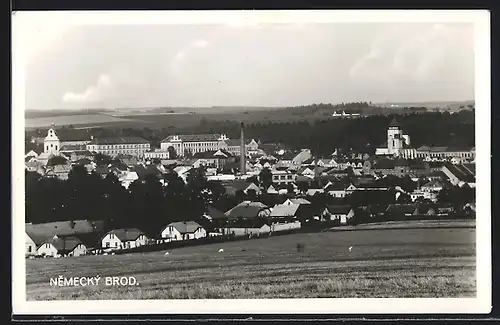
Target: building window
x: 29, y: 249
x: 107, y: 245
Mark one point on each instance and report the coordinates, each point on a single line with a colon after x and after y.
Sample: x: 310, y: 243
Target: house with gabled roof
x: 337, y: 213
x: 182, y: 230
x: 296, y: 201
x: 71, y: 238
x: 232, y: 187
x: 248, y: 210
x: 402, y: 210
x: 124, y: 238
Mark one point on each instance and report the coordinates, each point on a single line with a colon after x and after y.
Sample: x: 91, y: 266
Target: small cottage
x: 183, y: 230
x: 338, y: 213
x: 124, y: 238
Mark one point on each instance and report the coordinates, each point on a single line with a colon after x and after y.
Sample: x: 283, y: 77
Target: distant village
x: 247, y: 169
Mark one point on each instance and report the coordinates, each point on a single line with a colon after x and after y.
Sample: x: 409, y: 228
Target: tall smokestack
x: 243, y: 152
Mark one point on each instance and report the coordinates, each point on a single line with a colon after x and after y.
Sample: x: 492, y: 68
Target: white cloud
x: 92, y: 94
x: 402, y: 55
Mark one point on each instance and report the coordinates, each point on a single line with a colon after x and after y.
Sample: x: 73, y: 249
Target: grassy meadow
x: 396, y: 263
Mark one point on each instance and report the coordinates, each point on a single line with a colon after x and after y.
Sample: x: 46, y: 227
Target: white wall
x: 112, y: 240
x: 171, y: 233
x: 79, y: 250
x: 47, y: 249
x: 285, y: 226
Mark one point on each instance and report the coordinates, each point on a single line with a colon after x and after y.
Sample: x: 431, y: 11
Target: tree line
x: 149, y: 205
x: 322, y: 136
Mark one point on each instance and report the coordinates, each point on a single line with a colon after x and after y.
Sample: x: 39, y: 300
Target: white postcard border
x: 26, y: 23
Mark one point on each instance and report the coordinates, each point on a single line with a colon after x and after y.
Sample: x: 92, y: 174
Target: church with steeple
x: 51, y: 143
x: 396, y: 141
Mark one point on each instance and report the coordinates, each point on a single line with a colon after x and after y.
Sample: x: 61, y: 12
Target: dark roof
x: 44, y: 231
x: 336, y: 186
x: 185, y: 227
x: 205, y: 154
x: 401, y: 208
x: 236, y: 142
x: 338, y: 209
x: 127, y: 234
x: 119, y: 140
x: 194, y: 137
x: 463, y: 172
x: 73, y: 147
x: 65, y: 244
x: 424, y: 208
x: 237, y: 184
x: 215, y: 213
x: 246, y: 209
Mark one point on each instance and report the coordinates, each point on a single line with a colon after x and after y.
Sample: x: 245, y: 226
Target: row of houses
x: 248, y: 218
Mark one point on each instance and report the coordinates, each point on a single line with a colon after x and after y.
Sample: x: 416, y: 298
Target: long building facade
x: 439, y: 153
x: 134, y: 146
x: 193, y: 143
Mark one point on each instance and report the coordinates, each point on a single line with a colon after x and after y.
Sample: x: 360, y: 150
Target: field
x: 78, y: 120
x: 435, y: 262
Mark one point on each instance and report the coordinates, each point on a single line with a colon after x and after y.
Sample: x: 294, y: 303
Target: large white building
x: 456, y: 155
x: 396, y: 140
x: 193, y: 143
x: 133, y: 146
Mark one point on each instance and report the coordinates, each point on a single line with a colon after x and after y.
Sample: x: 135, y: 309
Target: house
x: 296, y: 201
x: 248, y: 210
x: 432, y: 186
x: 426, y: 209
x: 124, y: 238
x: 460, y: 174
x: 73, y: 237
x: 183, y: 230
x: 31, y: 153
x: 283, y: 176
x: 45, y: 247
x: 250, y: 231
x: 30, y: 246
x: 336, y: 189
x: 55, y: 245
x: 271, y: 190
x: 338, y: 213
x: 445, y: 211
x: 244, y: 186
x: 59, y: 171
x: 426, y: 195
x: 128, y: 178
x: 402, y: 210
x: 314, y: 191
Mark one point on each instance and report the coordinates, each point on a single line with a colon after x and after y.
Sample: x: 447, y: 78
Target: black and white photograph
x: 251, y: 161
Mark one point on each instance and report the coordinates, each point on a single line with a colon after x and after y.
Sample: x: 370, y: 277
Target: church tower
x: 395, y: 138
x: 51, y: 143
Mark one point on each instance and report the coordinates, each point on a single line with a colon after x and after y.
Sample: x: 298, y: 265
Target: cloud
x: 93, y: 94
x: 413, y: 54
x: 179, y: 57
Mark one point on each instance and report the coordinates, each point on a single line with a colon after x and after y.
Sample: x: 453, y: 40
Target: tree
x: 254, y: 179
x: 57, y: 160
x: 265, y: 177
x: 303, y: 186
x: 102, y: 159
x: 289, y: 189
x: 172, y: 154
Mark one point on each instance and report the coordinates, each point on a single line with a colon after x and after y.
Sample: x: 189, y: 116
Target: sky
x: 280, y: 64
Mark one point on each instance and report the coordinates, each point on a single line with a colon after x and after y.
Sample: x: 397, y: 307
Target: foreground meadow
x: 402, y: 263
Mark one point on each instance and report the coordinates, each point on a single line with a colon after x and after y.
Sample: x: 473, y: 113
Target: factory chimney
x: 243, y: 152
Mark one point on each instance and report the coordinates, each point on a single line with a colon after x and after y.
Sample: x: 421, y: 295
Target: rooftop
x: 194, y: 137
x: 120, y: 140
